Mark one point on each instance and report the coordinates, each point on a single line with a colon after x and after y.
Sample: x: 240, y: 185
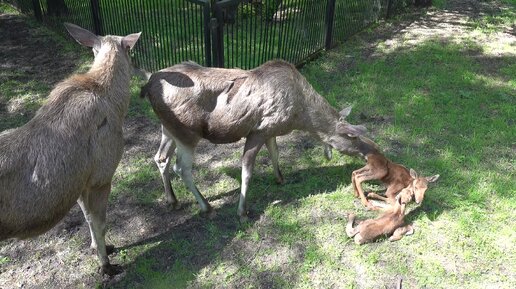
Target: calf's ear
x: 345, y: 112
x: 413, y: 174
x: 432, y: 178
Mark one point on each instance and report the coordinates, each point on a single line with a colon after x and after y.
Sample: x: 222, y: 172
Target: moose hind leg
x: 401, y: 231
x: 93, y: 204
x: 184, y: 169
x: 162, y: 159
x: 251, y: 149
x: 272, y: 147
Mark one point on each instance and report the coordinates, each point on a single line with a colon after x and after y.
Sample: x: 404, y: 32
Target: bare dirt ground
x: 61, y: 258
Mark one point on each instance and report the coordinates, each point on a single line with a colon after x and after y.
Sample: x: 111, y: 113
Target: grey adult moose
x: 226, y: 105
x: 69, y: 151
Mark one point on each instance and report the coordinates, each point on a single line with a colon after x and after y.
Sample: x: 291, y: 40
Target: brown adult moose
x: 226, y: 105
x: 69, y: 151
x: 393, y: 175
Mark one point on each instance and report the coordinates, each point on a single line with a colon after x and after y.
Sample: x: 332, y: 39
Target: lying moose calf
x: 226, y: 105
x: 391, y: 222
x: 69, y: 151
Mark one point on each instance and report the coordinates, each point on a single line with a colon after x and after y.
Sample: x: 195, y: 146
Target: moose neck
x: 112, y: 73
x: 321, y: 119
x: 367, y: 146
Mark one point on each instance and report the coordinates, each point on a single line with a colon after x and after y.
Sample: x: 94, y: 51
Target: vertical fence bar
x: 215, y: 42
x: 37, y: 10
x: 207, y: 37
x: 95, y: 13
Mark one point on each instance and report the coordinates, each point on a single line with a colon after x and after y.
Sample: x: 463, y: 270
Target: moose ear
x: 413, y: 174
x: 81, y: 35
x: 129, y: 41
x: 432, y: 178
x: 345, y: 112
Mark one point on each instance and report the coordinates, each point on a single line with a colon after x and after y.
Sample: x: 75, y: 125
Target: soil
x: 61, y: 258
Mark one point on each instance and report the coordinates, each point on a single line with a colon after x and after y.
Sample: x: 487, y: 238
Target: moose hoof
x: 111, y: 270
x: 209, y: 213
x: 244, y: 216
x: 110, y: 249
x: 175, y: 205
x: 244, y: 219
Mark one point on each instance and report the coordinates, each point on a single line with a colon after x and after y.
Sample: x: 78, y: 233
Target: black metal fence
x: 223, y: 33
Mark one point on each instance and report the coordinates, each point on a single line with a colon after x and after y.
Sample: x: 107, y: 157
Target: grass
x: 443, y: 106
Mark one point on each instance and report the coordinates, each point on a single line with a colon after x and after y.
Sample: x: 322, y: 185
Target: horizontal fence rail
x: 223, y: 33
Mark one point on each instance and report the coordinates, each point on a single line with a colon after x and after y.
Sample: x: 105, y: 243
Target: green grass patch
x: 444, y: 106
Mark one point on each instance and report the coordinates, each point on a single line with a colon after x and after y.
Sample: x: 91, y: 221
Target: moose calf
x: 69, y: 151
x: 389, y: 222
x: 394, y: 176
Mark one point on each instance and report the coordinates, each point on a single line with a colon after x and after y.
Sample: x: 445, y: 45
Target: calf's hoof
x: 410, y: 230
x: 370, y: 207
x: 111, y: 269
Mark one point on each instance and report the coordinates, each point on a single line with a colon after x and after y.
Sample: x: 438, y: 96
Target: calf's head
x: 420, y: 184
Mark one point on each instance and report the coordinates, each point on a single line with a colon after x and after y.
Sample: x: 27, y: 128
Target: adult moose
x: 69, y: 151
x: 225, y: 105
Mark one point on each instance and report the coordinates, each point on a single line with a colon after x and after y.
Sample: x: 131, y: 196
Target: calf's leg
x: 400, y: 232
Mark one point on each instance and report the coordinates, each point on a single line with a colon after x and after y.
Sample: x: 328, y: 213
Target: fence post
x: 37, y: 10
x: 216, y: 44
x: 330, y: 13
x: 95, y: 13
x: 207, y: 33
x: 217, y: 34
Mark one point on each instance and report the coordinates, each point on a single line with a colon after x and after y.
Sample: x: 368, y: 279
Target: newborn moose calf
x: 390, y: 222
x: 394, y: 176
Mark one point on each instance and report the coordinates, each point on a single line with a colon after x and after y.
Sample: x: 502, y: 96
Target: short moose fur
x: 394, y: 176
x: 69, y: 151
x: 391, y: 222
x: 226, y: 105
